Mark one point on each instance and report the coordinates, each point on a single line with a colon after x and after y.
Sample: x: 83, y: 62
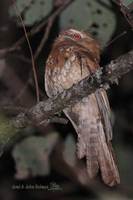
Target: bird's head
x: 81, y: 38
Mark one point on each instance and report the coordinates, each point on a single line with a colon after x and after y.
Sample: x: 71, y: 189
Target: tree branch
x: 46, y: 110
x: 36, y: 29
x: 126, y: 10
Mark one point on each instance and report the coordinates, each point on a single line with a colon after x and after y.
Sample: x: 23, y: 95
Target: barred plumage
x: 74, y: 56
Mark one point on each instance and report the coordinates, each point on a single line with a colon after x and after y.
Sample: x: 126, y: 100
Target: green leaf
x: 32, y: 155
x: 32, y: 11
x: 99, y: 19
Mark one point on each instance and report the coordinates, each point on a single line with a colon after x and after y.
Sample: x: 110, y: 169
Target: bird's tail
x: 92, y: 142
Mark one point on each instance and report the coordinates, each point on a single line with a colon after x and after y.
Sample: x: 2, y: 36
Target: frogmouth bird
x: 74, y: 56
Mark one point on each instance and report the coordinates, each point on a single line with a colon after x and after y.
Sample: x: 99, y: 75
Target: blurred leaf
x: 32, y: 155
x: 98, y: 18
x: 69, y: 153
x: 7, y: 132
x: 32, y: 11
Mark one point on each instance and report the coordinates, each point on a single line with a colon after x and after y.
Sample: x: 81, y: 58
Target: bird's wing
x: 105, y: 111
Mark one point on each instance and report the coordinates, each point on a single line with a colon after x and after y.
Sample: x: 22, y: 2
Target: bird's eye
x: 76, y: 36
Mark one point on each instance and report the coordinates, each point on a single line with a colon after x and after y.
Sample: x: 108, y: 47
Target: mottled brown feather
x: 69, y: 62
